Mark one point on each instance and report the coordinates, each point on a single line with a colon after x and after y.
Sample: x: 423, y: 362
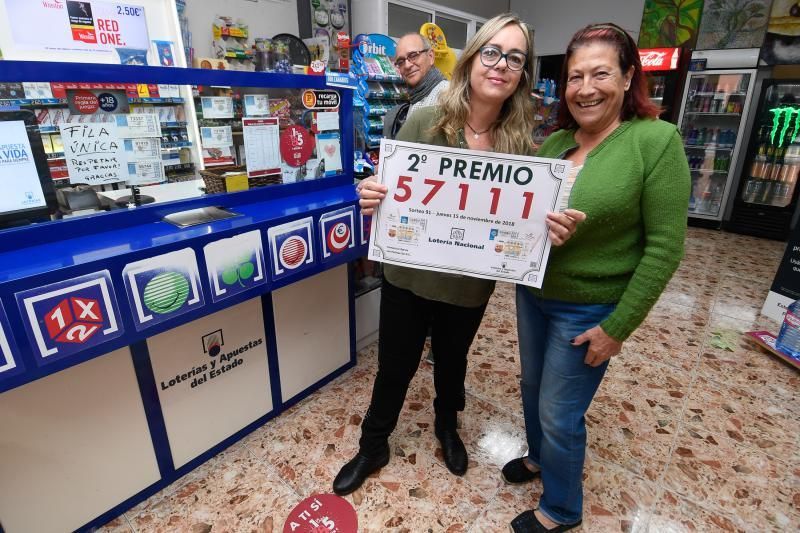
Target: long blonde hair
x: 513, y: 129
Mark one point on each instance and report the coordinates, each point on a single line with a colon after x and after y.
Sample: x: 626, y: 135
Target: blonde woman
x: 486, y: 107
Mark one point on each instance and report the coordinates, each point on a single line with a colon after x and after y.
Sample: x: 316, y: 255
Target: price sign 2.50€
x: 465, y: 212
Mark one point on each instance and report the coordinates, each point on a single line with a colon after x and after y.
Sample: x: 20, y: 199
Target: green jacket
x: 634, y: 188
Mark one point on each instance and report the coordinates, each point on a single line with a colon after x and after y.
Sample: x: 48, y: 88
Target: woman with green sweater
x: 631, y: 179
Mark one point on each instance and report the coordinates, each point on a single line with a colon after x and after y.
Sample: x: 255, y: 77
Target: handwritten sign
x: 94, y: 153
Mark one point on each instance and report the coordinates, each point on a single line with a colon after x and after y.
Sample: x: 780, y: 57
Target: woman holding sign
x: 631, y: 178
x: 486, y: 107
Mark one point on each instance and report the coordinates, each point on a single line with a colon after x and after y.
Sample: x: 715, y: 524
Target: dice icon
x: 75, y: 320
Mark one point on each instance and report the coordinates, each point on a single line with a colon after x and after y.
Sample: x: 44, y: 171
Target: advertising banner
x: 466, y: 212
x: 96, y: 28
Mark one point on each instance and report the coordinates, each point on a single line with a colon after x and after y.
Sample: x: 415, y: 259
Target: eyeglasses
x: 491, y: 56
x: 411, y: 56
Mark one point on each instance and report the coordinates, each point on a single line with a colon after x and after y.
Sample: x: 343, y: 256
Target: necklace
x: 476, y: 133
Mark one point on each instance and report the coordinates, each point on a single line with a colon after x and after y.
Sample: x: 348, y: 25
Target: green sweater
x: 634, y: 189
x: 453, y: 289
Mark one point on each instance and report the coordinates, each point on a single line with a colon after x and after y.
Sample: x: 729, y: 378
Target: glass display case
x: 712, y: 117
x: 767, y: 196
x: 117, y: 144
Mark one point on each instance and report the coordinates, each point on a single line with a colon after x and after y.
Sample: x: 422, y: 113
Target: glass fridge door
x: 711, y: 119
x: 773, y: 170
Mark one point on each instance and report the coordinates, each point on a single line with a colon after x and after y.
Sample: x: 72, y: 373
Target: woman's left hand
x: 601, y: 346
x: 561, y: 226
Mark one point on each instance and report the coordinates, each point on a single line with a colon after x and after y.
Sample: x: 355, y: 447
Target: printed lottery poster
x: 291, y: 247
x: 466, y: 212
x: 337, y: 232
x: 109, y: 32
x: 235, y: 264
x: 162, y: 287
x: 9, y: 365
x: 68, y: 317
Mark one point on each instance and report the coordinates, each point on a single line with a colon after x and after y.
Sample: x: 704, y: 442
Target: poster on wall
x: 114, y: 30
x: 727, y: 25
x: 782, y: 41
x: 68, y: 317
x: 669, y: 23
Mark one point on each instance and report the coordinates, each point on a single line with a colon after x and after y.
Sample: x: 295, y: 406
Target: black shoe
x: 353, y: 474
x: 528, y: 523
x: 453, y: 450
x: 515, y: 471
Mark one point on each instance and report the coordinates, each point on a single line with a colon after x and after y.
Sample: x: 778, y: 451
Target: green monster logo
x: 787, y: 112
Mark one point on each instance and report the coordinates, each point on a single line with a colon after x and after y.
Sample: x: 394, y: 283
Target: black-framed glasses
x: 411, y: 56
x: 491, y: 56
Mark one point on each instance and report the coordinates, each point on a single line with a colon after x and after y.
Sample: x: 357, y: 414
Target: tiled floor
x: 684, y: 436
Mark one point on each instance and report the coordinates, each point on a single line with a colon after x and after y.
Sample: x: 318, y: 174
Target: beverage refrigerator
x: 665, y: 75
x: 767, y: 197
x: 712, y: 121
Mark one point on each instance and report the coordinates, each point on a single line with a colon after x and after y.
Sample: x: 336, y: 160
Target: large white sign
x: 19, y: 179
x: 71, y: 26
x: 466, y: 212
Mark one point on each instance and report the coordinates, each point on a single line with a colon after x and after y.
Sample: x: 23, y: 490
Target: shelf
x: 6, y: 102
x: 155, y: 100
x: 708, y: 171
x: 708, y: 146
x: 384, y: 77
x: 238, y: 55
x: 722, y: 94
x: 176, y: 145
x: 710, y: 113
x: 168, y: 125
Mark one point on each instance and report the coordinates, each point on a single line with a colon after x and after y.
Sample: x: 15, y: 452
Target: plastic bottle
x: 789, y: 337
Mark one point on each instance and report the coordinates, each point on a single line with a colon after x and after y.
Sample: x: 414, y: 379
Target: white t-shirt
x: 571, y: 177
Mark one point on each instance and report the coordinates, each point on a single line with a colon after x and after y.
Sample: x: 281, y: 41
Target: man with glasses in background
x: 413, y: 59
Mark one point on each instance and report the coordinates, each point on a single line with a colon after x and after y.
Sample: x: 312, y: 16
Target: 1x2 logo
x: 70, y: 316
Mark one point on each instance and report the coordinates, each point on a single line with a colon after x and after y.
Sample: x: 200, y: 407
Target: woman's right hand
x: 370, y: 194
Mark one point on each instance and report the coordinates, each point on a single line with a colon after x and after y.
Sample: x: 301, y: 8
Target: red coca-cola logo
x: 652, y: 59
x: 659, y: 58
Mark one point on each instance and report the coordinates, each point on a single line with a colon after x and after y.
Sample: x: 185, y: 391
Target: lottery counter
x: 132, y: 349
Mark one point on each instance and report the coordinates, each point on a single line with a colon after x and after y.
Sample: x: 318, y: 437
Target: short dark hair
x: 636, y: 102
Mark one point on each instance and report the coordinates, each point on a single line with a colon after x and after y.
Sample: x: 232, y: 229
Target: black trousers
x: 404, y: 321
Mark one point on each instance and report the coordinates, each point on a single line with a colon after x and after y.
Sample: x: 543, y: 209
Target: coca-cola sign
x: 659, y: 58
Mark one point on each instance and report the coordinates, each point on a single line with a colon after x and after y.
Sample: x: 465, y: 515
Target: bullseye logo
x: 337, y: 228
x: 290, y: 247
x: 338, y: 237
x: 162, y: 287
x: 70, y: 316
x: 293, y: 252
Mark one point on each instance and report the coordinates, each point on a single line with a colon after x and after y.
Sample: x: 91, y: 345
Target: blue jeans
x: 557, y: 388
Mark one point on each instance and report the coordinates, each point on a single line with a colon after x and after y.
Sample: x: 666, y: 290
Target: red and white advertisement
x: 659, y: 58
x: 69, y: 26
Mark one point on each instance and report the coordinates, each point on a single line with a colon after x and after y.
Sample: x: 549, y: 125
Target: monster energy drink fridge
x: 767, y: 197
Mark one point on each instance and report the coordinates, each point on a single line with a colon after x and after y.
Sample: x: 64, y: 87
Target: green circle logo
x: 166, y: 292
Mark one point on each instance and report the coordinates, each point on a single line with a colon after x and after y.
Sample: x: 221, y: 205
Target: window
x: 404, y: 20
x: 408, y: 16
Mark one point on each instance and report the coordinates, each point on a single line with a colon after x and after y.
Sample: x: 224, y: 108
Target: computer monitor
x: 26, y: 189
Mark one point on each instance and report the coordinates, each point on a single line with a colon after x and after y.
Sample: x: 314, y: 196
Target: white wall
x: 554, y: 23
x: 266, y: 18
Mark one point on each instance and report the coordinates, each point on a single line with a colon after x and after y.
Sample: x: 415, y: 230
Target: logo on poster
x: 338, y: 237
x: 220, y: 362
x: 53, y: 4
x: 74, y: 319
